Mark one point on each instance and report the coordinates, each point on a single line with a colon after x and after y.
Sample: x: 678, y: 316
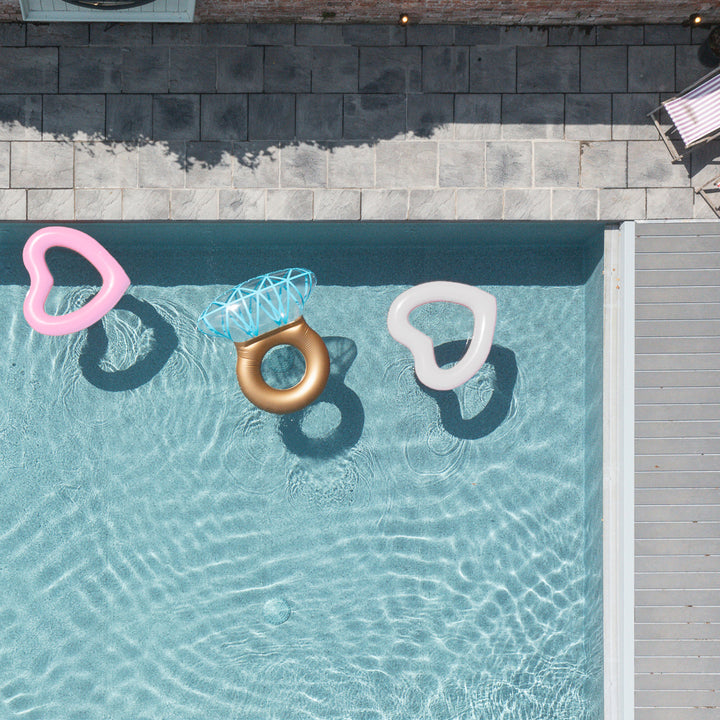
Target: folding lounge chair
x: 695, y: 114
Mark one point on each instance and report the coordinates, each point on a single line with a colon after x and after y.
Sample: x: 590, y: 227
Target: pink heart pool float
x: 115, y: 281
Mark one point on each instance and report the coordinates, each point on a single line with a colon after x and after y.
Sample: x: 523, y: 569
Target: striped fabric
x: 697, y: 113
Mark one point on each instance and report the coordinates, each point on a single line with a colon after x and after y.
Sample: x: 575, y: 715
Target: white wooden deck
x: 677, y: 479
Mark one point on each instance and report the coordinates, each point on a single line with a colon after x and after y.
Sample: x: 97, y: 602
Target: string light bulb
x: 404, y: 18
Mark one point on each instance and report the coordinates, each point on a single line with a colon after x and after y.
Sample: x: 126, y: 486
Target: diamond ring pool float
x: 260, y: 314
x: 484, y: 309
x: 115, y: 281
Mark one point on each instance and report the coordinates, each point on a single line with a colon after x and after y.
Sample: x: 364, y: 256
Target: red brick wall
x: 495, y: 12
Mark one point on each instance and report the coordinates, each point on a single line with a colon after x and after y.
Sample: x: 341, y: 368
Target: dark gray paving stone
x: 688, y: 66
x: 68, y: 115
x: 275, y: 34
x: 318, y: 35
x: 129, y: 117
x: 572, y: 35
x: 496, y: 35
x: 319, y: 116
x: 428, y: 112
x: 224, y: 117
x: 91, y: 69
x: 524, y: 35
x: 225, y: 34
x: 176, y: 117
x: 477, y: 116
x: 430, y: 34
x: 120, y: 34
x: 699, y: 34
x: 12, y: 34
x: 604, y: 69
x: 39, y: 34
x: 335, y: 69
x: 630, y: 119
x: 651, y: 68
x: 548, y: 69
x: 390, y: 70
x: 22, y: 117
x: 177, y: 34
x: 492, y: 69
x: 28, y: 70
x: 192, y: 69
x: 445, y: 69
x: 620, y: 35
x: 373, y: 35
x: 533, y: 116
x: 368, y: 117
x: 588, y: 116
x: 240, y: 69
x: 667, y: 35
x: 271, y: 117
x: 287, y: 69
x: 145, y: 70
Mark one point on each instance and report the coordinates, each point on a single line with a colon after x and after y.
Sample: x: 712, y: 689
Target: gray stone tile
x: 523, y: 35
x: 431, y: 205
x: 572, y: 35
x: 699, y: 34
x: 548, y: 70
x: 4, y: 164
x: 430, y: 34
x: 390, y: 70
x: 255, y: 165
x: 651, y: 68
x: 430, y: 115
x: 498, y: 35
x: 160, y: 165
x: 192, y: 69
x: 145, y: 70
x: 527, y: 204
x: 129, y: 117
x: 98, y: 204
x: 588, y: 116
x: 242, y: 204
x: 493, y: 69
x: 556, y: 164
x: 49, y: 204
x: 650, y: 165
x: 176, y: 117
x: 479, y: 204
x: 196, y: 204
x: 41, y: 165
x: 603, y: 165
x: 533, y: 116
x: 384, y: 205
x: 508, y: 164
x: 318, y: 35
x: 226, y: 34
x: 688, y: 67
x: 287, y: 69
x: 271, y: 34
x: 49, y: 34
x: 271, y: 117
x: 630, y: 116
x: 368, y: 117
x: 477, y: 117
x: 373, y: 35
x: 20, y: 117
x: 702, y: 209
x: 240, y: 69
x: 145, y: 204
x: 12, y: 34
x: 445, y: 69
x: 351, y: 166
x: 573, y: 204
x: 669, y: 203
x: 335, y: 69
x: 224, y: 117
x: 177, y: 34
x: 28, y: 70
x: 621, y: 204
x: 208, y: 164
x: 620, y: 35
x: 303, y: 166
x: 604, y: 69
x: 319, y: 116
x: 337, y: 205
x: 13, y: 204
x: 90, y: 70
x: 461, y: 164
x: 406, y: 164
x: 74, y: 117
x: 705, y: 163
x: 105, y: 165
x: 289, y: 205
x: 121, y: 34
x: 667, y: 35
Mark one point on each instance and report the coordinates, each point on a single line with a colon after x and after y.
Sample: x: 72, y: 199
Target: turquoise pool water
x: 169, y: 551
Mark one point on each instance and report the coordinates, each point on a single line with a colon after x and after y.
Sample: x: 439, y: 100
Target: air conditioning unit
x: 108, y: 10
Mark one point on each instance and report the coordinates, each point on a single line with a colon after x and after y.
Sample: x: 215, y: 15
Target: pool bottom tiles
x: 170, y: 551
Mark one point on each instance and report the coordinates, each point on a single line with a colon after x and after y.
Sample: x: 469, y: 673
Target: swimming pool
x: 169, y: 550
